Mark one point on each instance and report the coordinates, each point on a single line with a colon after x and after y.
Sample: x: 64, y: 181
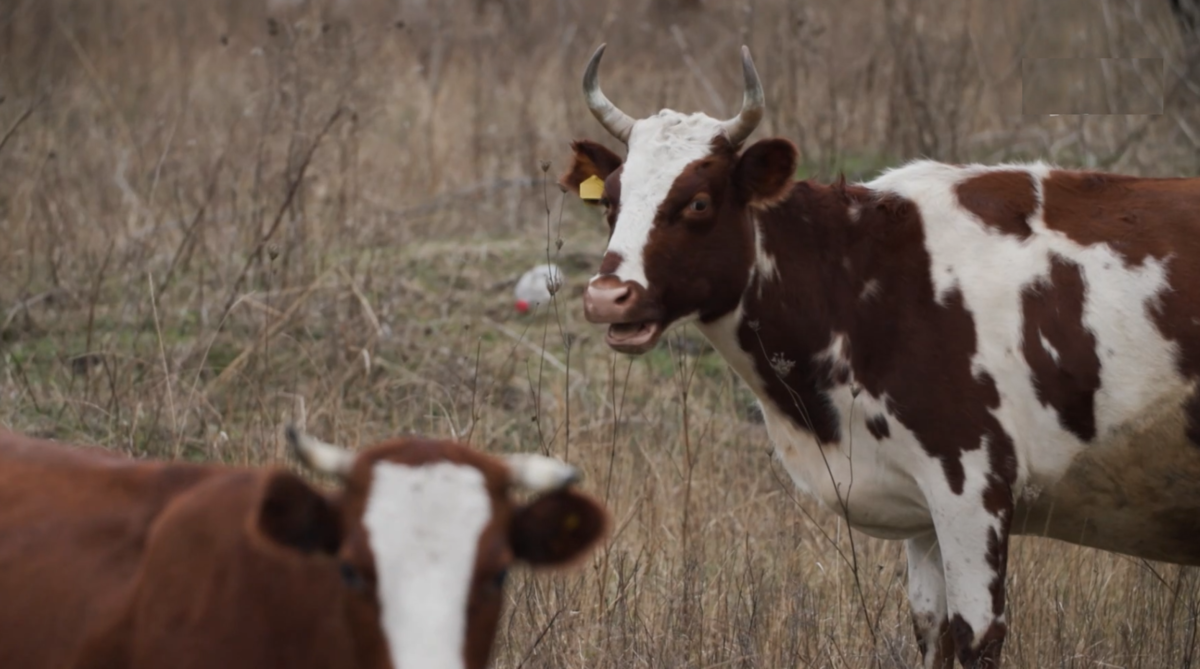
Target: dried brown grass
x: 207, y: 214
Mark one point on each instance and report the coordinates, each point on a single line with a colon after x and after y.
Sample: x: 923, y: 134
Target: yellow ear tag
x: 591, y: 188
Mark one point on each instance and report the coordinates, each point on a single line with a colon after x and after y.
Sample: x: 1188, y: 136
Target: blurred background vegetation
x: 220, y: 215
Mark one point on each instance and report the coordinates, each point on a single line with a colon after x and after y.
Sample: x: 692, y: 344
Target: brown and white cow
x: 109, y: 562
x: 948, y: 355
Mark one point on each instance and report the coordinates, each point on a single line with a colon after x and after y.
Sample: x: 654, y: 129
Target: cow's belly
x: 860, y: 479
x: 1137, y: 492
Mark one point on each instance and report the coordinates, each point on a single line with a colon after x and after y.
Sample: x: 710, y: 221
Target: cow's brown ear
x: 292, y: 514
x: 590, y: 160
x: 765, y: 172
x: 557, y: 528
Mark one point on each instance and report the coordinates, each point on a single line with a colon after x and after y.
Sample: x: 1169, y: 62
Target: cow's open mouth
x: 633, y: 337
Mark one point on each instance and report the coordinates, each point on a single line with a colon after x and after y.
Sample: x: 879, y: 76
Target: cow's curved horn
x: 738, y: 128
x: 319, y: 456
x: 614, y: 120
x: 538, y: 473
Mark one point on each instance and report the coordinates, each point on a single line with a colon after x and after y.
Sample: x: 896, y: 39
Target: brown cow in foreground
x: 107, y: 562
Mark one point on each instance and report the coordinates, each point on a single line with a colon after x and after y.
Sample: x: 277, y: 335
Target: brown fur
x: 878, y: 427
x: 107, y: 562
x: 610, y: 263
x: 1054, y: 310
x: 1002, y: 200
x: 943, y: 648
x: 906, y: 345
x: 765, y: 172
x: 699, y: 259
x: 985, y: 655
x: 590, y: 159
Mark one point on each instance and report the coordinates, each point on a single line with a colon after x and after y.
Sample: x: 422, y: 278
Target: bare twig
x: 545, y: 355
x: 710, y: 90
x: 24, y: 305
x: 189, y: 236
x: 273, y: 329
x: 293, y: 188
x: 368, y: 311
x: 12, y: 129
x: 162, y: 352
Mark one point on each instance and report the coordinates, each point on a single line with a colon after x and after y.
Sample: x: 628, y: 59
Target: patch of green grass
x: 220, y: 354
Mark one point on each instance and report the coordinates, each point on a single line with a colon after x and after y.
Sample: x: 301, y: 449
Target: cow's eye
x: 699, y: 205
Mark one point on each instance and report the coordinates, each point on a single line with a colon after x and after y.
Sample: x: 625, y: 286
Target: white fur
x: 424, y: 524
x: 764, y: 263
x: 660, y: 147
x: 963, y: 526
x: 926, y: 592
x: 1049, y: 347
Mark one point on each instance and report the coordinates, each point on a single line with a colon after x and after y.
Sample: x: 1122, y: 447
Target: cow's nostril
x: 608, y: 304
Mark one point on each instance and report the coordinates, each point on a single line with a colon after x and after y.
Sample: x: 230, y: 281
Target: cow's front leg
x: 972, y: 533
x: 927, y: 602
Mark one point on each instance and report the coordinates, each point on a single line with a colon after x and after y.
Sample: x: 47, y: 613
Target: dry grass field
x: 214, y: 212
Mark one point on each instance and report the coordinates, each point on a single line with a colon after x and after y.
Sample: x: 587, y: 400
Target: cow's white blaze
x: 660, y: 147
x: 424, y: 524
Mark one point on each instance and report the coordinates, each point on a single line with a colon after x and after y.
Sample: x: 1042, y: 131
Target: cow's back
x: 72, y: 529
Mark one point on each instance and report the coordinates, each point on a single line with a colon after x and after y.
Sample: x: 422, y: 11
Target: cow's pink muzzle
x: 621, y: 306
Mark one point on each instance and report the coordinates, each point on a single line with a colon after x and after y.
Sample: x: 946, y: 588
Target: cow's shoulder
x: 259, y: 542
x: 74, y: 521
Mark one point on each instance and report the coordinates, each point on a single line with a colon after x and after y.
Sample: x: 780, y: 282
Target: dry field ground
x: 210, y: 215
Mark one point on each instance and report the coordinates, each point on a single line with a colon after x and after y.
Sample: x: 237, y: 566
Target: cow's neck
x: 813, y: 290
